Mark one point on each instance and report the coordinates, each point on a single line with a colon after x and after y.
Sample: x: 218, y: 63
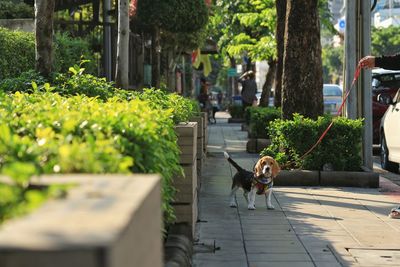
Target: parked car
x: 390, y: 132
x: 384, y: 83
x: 333, y: 94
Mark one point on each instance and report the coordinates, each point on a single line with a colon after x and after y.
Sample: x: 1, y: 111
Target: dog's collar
x: 261, y: 179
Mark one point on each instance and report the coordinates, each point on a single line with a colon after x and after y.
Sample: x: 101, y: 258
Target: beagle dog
x: 259, y: 181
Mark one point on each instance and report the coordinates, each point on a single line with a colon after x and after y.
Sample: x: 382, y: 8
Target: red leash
x: 339, y: 112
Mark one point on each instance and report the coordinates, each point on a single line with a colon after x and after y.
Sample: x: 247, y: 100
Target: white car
x: 390, y: 133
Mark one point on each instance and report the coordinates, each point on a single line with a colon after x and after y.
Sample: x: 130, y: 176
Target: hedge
x: 259, y: 118
x: 17, y: 53
x: 340, y: 148
x: 48, y: 133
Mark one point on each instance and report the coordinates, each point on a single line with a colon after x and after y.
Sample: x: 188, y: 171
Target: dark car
x: 384, y: 83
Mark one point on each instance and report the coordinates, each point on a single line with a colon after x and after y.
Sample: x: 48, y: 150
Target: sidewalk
x: 310, y: 226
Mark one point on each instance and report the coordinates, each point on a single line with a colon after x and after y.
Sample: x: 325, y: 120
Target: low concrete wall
x: 106, y: 220
x: 26, y: 25
x: 327, y: 178
x: 185, y: 203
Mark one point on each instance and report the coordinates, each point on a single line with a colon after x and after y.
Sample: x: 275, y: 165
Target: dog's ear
x: 258, y: 168
x: 275, y: 168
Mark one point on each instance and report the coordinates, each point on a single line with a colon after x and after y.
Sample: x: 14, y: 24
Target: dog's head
x: 267, y: 166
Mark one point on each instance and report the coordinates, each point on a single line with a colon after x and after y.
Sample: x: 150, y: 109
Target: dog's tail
x: 231, y: 161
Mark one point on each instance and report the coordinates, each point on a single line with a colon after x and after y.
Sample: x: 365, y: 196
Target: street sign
x: 232, y: 72
x: 342, y: 24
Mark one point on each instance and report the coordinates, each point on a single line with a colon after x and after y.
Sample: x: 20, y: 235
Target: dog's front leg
x: 252, y: 199
x: 268, y: 196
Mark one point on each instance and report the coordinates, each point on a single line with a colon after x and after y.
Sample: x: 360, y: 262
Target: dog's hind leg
x: 268, y: 196
x: 233, y: 196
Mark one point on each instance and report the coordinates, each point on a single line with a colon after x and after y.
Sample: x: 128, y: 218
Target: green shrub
x: 48, y: 133
x: 22, y: 83
x: 182, y: 108
x: 17, y: 53
x: 12, y: 9
x: 259, y: 119
x: 77, y: 83
x: 236, y: 111
x: 69, y: 51
x: 340, y: 147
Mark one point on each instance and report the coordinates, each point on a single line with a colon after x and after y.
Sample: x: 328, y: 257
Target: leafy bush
x: 22, y: 83
x: 182, y: 108
x: 340, y: 147
x: 12, y: 9
x: 69, y: 51
x: 17, y: 53
x: 259, y: 119
x: 236, y: 111
x: 78, y: 83
x: 48, y: 133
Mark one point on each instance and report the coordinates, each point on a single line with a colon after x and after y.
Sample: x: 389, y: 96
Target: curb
x: 327, y: 178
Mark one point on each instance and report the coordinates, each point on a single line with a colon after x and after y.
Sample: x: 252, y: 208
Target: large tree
x: 44, y: 11
x: 280, y: 36
x: 302, y: 65
x: 122, y: 66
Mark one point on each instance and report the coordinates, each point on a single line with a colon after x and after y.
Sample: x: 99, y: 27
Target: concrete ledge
x: 297, y: 178
x: 236, y: 120
x: 349, y: 179
x: 327, y: 178
x: 257, y: 145
x: 105, y: 220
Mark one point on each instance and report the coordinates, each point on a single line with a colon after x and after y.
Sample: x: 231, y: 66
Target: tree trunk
x: 155, y: 64
x: 233, y: 81
x: 269, y: 81
x: 44, y: 10
x: 302, y: 66
x: 122, y: 66
x: 280, y: 37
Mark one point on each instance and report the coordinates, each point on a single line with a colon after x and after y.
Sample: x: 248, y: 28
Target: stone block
x: 186, y: 186
x: 187, y: 213
x: 187, y: 141
x: 103, y: 221
x: 297, y: 178
x: 350, y: 179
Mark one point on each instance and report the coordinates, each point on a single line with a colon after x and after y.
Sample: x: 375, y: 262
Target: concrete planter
x: 327, y: 178
x: 236, y: 120
x: 185, y: 203
x: 205, y: 131
x: 297, y: 178
x: 187, y: 141
x: 201, y: 141
x: 105, y: 220
x: 256, y: 145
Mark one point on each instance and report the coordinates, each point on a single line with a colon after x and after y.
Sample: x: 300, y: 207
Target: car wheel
x: 385, y: 163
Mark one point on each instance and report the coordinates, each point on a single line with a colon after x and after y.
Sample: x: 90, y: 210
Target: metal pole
x: 350, y: 57
x: 107, y: 40
x: 366, y: 92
